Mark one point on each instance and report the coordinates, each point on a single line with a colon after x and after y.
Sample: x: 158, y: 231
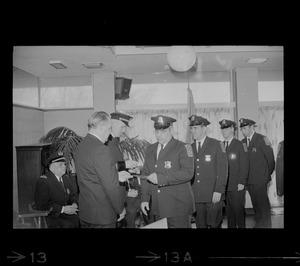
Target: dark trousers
x: 63, y: 221
x: 89, y: 225
x: 177, y: 221
x: 133, y: 207
x: 261, y: 205
x: 235, y: 208
x: 209, y: 215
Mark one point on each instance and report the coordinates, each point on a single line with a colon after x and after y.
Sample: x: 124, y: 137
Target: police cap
x: 55, y: 158
x: 122, y: 117
x: 198, y: 120
x: 246, y: 122
x: 227, y: 123
x: 162, y: 122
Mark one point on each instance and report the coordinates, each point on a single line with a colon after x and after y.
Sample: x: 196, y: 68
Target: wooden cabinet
x: 30, y: 166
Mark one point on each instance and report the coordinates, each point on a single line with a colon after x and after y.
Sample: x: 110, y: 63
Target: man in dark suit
x: 119, y: 122
x: 54, y: 193
x: 238, y: 169
x: 262, y: 165
x: 210, y: 175
x: 279, y: 169
x: 100, y: 198
x: 169, y: 168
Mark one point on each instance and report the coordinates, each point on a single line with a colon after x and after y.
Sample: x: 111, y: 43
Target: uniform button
x: 198, y: 181
x: 197, y: 160
x: 158, y: 190
x: 197, y: 166
x: 155, y: 165
x: 197, y: 173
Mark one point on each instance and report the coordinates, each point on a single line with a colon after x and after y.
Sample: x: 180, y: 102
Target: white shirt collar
x: 229, y: 140
x: 250, y: 137
x: 202, y: 140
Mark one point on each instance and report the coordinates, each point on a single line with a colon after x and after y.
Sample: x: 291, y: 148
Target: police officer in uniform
x: 262, y: 165
x: 169, y: 168
x: 210, y: 175
x: 55, y: 193
x: 238, y: 169
x: 279, y: 169
x: 119, y: 123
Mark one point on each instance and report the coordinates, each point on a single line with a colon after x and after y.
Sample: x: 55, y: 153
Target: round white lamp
x: 181, y: 58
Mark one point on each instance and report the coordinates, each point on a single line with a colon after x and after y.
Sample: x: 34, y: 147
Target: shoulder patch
x: 245, y: 147
x: 267, y: 141
x: 189, y: 150
x: 222, y: 146
x: 43, y: 176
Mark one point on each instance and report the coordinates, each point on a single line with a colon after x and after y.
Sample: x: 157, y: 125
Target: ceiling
x: 138, y: 59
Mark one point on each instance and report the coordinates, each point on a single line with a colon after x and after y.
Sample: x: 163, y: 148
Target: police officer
x: 169, y: 168
x: 119, y: 122
x: 262, y: 165
x: 238, y: 169
x: 279, y: 169
x: 55, y: 193
x: 210, y: 175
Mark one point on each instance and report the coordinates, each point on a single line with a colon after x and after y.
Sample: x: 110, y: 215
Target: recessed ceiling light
x: 256, y: 60
x: 57, y: 64
x: 93, y: 65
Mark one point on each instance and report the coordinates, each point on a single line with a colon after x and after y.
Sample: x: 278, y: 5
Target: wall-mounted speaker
x: 122, y: 88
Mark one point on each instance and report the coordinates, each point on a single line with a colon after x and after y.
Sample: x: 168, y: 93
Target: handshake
x: 70, y: 209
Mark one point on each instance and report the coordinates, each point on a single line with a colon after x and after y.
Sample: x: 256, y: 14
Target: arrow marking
x: 153, y: 257
x: 18, y: 257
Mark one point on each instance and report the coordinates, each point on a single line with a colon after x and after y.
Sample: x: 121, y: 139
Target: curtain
x: 143, y: 125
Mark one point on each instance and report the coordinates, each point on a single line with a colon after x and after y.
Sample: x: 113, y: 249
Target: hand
x: 132, y: 193
x: 240, y: 187
x: 216, y: 197
x: 124, y: 176
x: 131, y: 164
x: 145, y: 207
x: 152, y: 178
x: 122, y: 215
x: 70, y: 209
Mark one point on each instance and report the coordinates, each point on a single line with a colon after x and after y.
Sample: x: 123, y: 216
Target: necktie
x: 226, y: 145
x: 199, y: 146
x: 248, y: 142
x: 62, y: 183
x: 160, y: 147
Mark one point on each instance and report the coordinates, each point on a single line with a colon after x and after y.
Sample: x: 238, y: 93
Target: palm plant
x: 134, y: 147
x: 62, y: 139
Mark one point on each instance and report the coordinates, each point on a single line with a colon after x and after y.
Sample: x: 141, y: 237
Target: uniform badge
x: 253, y: 149
x: 232, y: 156
x: 160, y: 120
x: 60, y: 153
x: 68, y: 191
x: 189, y: 150
x: 207, y: 158
x: 245, y: 147
x: 43, y: 176
x: 168, y: 165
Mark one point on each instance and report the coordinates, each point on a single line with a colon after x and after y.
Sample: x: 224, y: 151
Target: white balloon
x: 181, y: 58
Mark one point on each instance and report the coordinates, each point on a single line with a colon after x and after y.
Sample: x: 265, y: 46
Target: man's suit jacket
x: 279, y: 169
x: 51, y: 196
x: 262, y: 163
x: 238, y: 164
x: 173, y: 195
x: 100, y: 197
x: 210, y: 170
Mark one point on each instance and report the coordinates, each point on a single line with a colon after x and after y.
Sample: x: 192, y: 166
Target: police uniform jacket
x: 238, y: 164
x: 51, y: 196
x: 279, y: 169
x: 100, y: 197
x: 262, y: 163
x: 173, y: 195
x: 210, y: 170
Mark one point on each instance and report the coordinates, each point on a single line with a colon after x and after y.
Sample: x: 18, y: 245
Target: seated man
x: 54, y: 193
